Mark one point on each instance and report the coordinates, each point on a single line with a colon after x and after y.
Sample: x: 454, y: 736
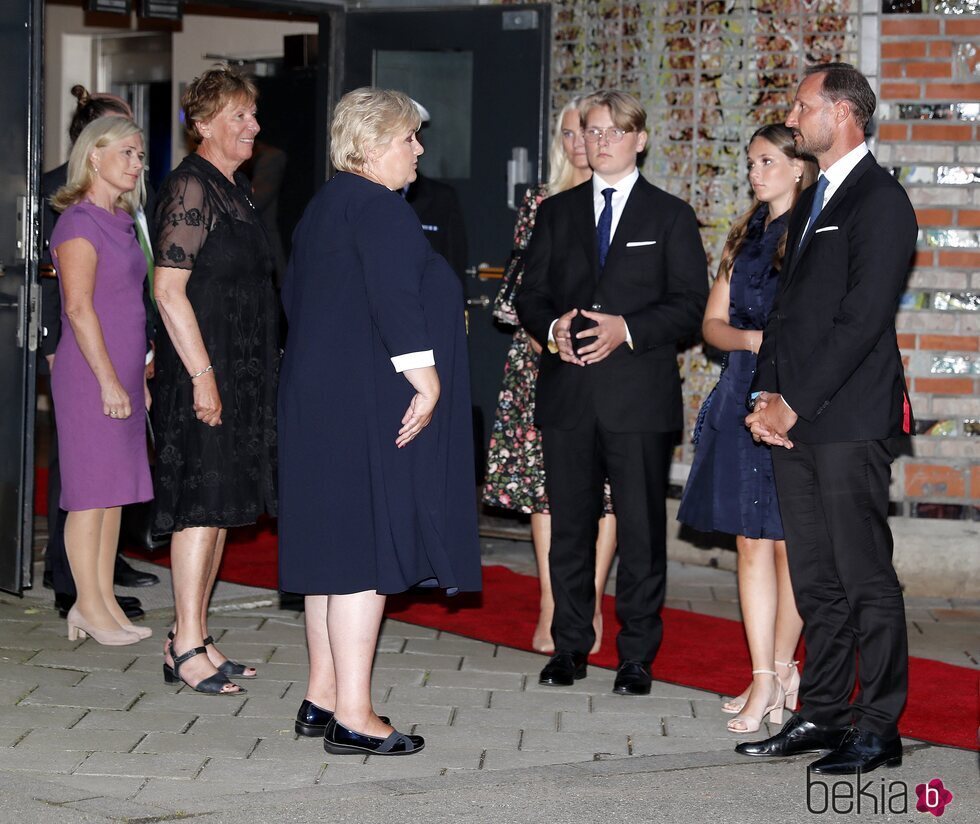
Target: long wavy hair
x: 782, y: 138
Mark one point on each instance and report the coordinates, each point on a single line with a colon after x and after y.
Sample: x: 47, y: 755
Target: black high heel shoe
x: 227, y: 668
x: 212, y: 685
x: 312, y: 720
x: 340, y: 740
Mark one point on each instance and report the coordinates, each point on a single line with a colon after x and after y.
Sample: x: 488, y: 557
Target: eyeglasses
x: 611, y: 135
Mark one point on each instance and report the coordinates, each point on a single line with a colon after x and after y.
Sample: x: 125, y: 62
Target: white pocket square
x: 827, y: 229
x: 640, y: 243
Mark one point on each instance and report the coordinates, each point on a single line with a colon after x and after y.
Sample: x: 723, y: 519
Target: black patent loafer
x: 312, y: 720
x: 632, y: 678
x: 797, y: 736
x: 564, y: 669
x: 860, y: 751
x: 339, y: 740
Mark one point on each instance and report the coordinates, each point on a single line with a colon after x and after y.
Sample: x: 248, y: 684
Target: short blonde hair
x: 560, y: 170
x: 81, y: 170
x: 626, y: 111
x: 367, y: 119
x: 208, y: 94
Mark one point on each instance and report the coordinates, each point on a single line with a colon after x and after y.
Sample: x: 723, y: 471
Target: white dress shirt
x: 619, y: 198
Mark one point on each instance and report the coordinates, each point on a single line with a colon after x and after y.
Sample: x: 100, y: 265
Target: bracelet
x: 204, y: 371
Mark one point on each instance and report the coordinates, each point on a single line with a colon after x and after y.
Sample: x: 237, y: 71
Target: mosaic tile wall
x: 709, y: 72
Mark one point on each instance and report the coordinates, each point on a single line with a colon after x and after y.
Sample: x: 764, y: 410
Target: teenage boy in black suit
x: 615, y: 278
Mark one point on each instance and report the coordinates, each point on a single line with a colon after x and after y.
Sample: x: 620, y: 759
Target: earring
x: 799, y: 178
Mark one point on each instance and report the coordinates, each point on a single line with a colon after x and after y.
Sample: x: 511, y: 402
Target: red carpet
x: 698, y: 650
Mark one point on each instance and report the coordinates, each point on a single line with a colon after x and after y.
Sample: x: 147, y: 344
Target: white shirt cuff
x: 790, y: 408
x: 629, y: 337
x: 551, y: 332
x: 413, y: 360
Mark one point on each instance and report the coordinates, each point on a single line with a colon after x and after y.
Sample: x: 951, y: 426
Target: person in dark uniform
x: 57, y: 573
x: 437, y: 206
x: 375, y: 460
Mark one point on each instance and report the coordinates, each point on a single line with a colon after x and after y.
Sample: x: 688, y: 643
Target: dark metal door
x: 20, y: 136
x: 482, y: 72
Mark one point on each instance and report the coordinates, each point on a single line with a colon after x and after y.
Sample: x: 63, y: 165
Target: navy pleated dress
x: 355, y: 512
x: 731, y: 488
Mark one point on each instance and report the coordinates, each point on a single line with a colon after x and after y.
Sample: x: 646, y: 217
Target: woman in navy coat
x: 375, y: 461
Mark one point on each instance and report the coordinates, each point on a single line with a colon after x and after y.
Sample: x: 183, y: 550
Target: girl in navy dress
x: 731, y: 487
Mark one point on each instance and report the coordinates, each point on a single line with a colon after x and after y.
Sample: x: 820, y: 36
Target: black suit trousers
x: 833, y: 499
x: 637, y: 464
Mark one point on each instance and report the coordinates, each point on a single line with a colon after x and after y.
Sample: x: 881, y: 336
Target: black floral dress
x: 225, y: 475
x: 515, y: 462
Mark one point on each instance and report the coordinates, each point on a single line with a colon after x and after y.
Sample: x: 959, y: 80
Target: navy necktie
x: 603, y: 228
x: 815, y: 207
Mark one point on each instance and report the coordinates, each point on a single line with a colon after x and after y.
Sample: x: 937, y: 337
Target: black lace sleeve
x: 183, y: 221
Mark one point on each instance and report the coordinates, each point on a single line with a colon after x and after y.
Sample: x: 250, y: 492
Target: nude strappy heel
x: 774, y: 711
x: 793, y: 688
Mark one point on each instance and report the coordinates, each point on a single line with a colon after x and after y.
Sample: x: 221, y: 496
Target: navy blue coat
x: 356, y: 513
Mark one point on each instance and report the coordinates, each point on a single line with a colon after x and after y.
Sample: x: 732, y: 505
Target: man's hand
x: 609, y: 333
x: 771, y: 420
x: 562, y: 334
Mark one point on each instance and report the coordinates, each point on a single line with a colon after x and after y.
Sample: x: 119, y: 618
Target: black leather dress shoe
x: 564, y: 669
x: 340, y: 740
x: 861, y: 750
x: 126, y: 576
x: 632, y: 678
x: 130, y: 606
x: 797, y: 735
x: 312, y: 720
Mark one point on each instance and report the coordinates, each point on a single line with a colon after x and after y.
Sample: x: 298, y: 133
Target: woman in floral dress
x: 515, y: 466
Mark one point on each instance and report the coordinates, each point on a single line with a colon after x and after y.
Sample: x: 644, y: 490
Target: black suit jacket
x: 660, y: 288
x: 437, y: 207
x: 830, y: 345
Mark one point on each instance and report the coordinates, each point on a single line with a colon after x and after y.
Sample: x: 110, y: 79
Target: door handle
x: 18, y: 303
x: 483, y: 301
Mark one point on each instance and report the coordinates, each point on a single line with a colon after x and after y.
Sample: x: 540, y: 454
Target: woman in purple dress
x: 731, y: 487
x: 98, y: 381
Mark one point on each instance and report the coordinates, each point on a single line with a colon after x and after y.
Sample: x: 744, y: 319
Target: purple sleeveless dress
x: 103, y: 460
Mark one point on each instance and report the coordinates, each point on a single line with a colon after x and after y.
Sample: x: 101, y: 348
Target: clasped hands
x: 609, y: 333
x: 770, y: 420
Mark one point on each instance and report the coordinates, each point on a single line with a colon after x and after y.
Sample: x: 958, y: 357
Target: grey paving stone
x: 476, y: 680
x: 404, y: 716
x: 702, y: 728
x: 11, y: 692
x: 496, y: 759
x: 288, y: 746
x: 289, y: 655
x: 228, y: 746
x: 32, y: 676
x: 133, y: 682
x: 431, y: 761
x: 218, y: 622
x: 445, y: 645
x: 417, y: 661
x: 719, y: 609
x: 10, y: 656
x: 86, y: 660
x: 269, y: 707
x: 646, y: 744
x: 609, y: 722
x: 281, y: 672
x: 461, y: 737
x: 138, y: 721
x: 11, y: 735
x: 405, y: 630
x: 13, y: 759
x: 100, y: 786
x: 190, y: 701
x: 597, y: 681
x: 25, y: 716
x: 440, y: 696
x: 544, y: 702
x: 169, y: 765
x: 488, y: 663
x: 80, y: 696
x: 519, y: 657
x: 613, y: 743
x: 258, y: 727
x: 261, y: 775
x: 642, y: 705
x: 81, y: 740
x: 391, y: 676
x: 272, y: 634
x: 391, y: 643
x: 528, y: 719
x: 693, y: 591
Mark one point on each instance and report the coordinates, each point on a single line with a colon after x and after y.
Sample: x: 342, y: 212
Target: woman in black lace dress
x: 216, y: 370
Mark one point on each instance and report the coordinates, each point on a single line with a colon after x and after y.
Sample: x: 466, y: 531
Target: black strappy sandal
x: 229, y: 667
x: 212, y: 685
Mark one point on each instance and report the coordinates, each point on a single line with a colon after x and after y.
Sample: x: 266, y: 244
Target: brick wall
x: 929, y: 129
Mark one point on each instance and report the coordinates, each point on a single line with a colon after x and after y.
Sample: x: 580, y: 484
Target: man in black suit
x: 615, y: 277
x: 439, y: 212
x: 831, y: 400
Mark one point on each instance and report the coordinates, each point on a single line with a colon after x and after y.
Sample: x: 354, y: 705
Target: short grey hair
x: 367, y: 119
